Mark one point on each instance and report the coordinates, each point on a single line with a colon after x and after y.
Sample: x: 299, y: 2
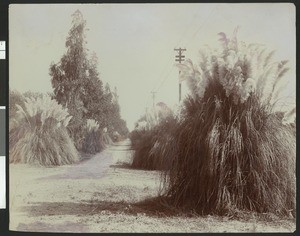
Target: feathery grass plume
x: 93, y: 142
x: 230, y: 151
x: 41, y: 136
x: 92, y: 125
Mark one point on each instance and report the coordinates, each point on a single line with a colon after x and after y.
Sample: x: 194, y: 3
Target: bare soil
x: 103, y: 194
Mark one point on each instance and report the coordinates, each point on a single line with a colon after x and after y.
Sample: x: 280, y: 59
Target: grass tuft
x: 93, y: 141
x: 231, y: 151
x: 39, y: 135
x: 150, y: 145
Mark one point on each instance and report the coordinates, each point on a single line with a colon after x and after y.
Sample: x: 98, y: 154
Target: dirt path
x: 94, y: 168
x: 102, y: 194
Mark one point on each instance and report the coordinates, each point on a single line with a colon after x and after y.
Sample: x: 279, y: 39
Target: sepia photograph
x: 152, y: 118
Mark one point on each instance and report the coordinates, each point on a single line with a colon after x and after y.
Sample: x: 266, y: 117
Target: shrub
x: 230, y: 149
x: 142, y: 158
x: 40, y: 135
x: 150, y: 145
x: 93, y: 141
x: 165, y: 137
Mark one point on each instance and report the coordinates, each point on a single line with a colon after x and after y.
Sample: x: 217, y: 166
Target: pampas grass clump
x: 231, y: 152
x: 142, y: 158
x: 40, y: 136
x: 162, y: 155
x: 93, y: 142
x: 150, y: 145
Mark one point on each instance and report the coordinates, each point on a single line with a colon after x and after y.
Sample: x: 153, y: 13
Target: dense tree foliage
x: 76, y: 84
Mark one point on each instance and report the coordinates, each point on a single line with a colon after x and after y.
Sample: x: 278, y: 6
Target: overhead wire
x: 193, y: 36
x: 201, y: 26
x: 161, y: 75
x: 172, y: 64
x: 164, y: 79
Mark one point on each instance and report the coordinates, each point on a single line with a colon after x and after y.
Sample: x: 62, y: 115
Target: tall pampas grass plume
x: 39, y: 135
x: 233, y: 152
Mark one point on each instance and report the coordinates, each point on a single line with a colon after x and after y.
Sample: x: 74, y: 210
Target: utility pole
x: 153, y: 98
x: 179, y: 58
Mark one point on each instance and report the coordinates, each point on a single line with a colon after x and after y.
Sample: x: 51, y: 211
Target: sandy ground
x: 102, y: 194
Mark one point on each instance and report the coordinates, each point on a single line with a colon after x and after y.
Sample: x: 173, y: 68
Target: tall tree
x: 70, y: 73
x: 71, y: 76
x: 76, y: 84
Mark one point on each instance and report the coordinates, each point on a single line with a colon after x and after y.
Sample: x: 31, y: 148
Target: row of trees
x: 80, y: 115
x: 77, y: 86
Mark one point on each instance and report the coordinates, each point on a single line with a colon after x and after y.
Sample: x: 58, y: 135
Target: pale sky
x: 135, y: 43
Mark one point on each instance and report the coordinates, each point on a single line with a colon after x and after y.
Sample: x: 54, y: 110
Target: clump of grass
x: 142, y: 158
x: 149, y: 145
x: 232, y: 152
x: 165, y: 137
x: 93, y: 142
x: 40, y: 135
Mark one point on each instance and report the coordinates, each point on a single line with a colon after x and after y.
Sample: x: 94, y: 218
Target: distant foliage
x: 39, y: 135
x: 113, y: 120
x: 230, y: 150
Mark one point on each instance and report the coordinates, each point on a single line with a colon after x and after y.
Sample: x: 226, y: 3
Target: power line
x: 203, y: 23
x: 180, y: 57
x: 198, y: 29
x: 179, y: 41
x: 186, y: 29
x: 165, y: 78
x: 161, y: 75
